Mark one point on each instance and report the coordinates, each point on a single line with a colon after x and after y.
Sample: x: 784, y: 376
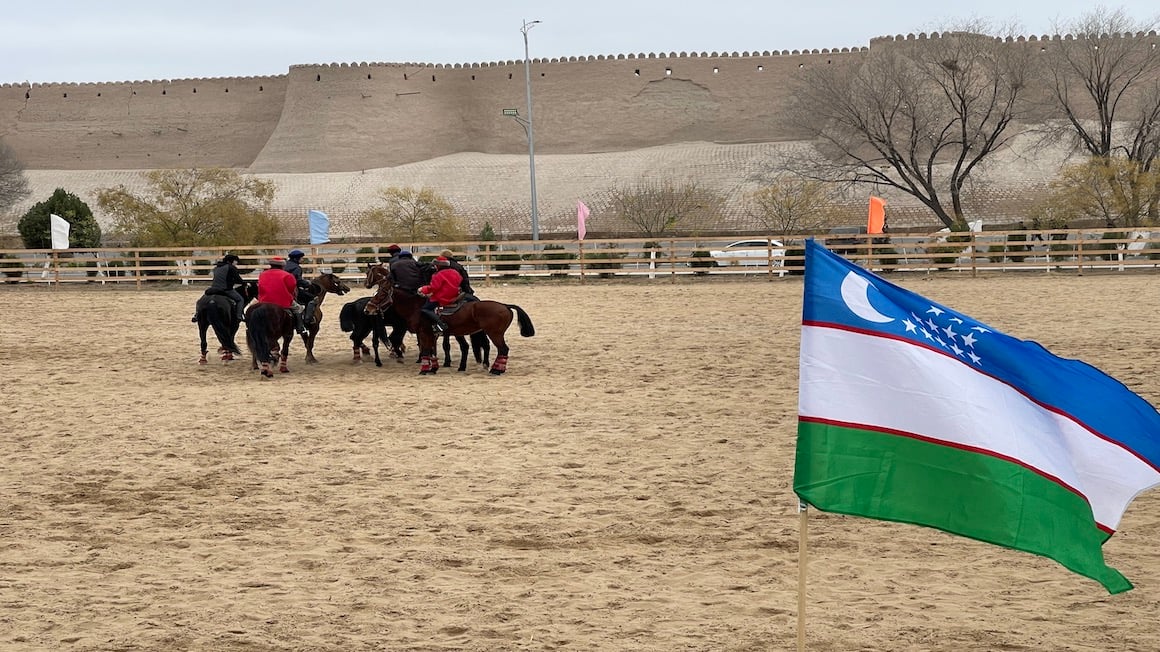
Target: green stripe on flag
x: 898, y: 478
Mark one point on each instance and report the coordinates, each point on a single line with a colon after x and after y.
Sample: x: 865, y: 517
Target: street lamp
x: 528, y: 127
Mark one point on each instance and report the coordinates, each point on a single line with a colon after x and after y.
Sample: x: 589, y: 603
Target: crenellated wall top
x: 567, y: 60
x: 143, y: 82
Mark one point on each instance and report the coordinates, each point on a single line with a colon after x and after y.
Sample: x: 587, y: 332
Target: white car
x: 750, y: 252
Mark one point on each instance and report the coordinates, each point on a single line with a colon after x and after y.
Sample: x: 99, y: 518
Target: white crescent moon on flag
x: 854, y: 293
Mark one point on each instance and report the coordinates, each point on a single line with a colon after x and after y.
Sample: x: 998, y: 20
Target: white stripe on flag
x: 942, y: 399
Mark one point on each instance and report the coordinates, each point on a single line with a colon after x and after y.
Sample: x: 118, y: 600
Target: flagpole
x: 801, y: 620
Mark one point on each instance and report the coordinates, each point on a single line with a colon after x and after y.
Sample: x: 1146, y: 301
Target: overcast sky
x: 129, y: 40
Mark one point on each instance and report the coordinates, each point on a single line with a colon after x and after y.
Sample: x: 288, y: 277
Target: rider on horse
x: 392, y: 254
x: 277, y: 286
x: 226, y: 278
x: 294, y: 266
x: 405, y: 272
x: 443, y: 291
x: 465, y: 284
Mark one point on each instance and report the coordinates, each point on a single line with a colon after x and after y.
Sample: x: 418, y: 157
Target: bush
x: 12, y: 270
x: 701, y: 259
x: 795, y: 257
x: 365, y: 256
x: 507, y: 256
x: 612, y: 258
x: 558, y: 254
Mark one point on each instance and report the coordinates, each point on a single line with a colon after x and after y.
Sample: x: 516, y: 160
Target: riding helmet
x: 297, y: 253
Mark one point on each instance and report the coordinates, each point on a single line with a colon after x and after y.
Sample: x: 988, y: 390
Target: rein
x: 382, y: 299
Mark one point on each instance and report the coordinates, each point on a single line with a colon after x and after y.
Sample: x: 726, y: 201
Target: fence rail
x: 1071, y: 251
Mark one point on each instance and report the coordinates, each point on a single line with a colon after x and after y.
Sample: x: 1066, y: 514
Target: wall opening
x: 66, y: 94
x: 761, y: 69
x: 318, y: 78
x: 368, y: 75
x: 432, y: 77
x: 668, y: 72
x: 195, y: 90
x: 260, y: 89
x: 716, y: 70
x: 636, y: 72
x: 162, y: 91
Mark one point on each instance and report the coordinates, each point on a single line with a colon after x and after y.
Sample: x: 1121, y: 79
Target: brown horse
x: 489, y: 317
x: 379, y: 275
x: 266, y: 323
x: 326, y: 283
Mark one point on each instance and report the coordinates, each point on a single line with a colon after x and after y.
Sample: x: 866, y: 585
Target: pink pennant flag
x: 581, y: 218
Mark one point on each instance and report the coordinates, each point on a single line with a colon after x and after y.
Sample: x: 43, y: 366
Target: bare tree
x: 13, y: 183
x: 413, y: 215
x: 1106, y: 83
x: 919, y: 116
x: 656, y: 207
x: 792, y: 205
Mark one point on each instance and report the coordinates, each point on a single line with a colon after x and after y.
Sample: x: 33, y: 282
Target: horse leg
x: 308, y: 342
x: 284, y: 355
x: 501, y: 354
x: 202, y: 327
x: 462, y: 353
x: 447, y: 350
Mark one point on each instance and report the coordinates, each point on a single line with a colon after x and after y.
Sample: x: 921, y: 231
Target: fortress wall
x: 141, y: 125
x: 364, y: 116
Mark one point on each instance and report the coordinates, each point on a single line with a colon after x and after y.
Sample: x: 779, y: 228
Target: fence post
x: 137, y: 266
x: 580, y: 250
x: 974, y: 255
x: 1079, y: 256
x: 672, y: 262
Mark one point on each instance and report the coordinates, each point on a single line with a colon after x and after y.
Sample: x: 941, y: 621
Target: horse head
x: 381, y: 301
x: 376, y: 274
x: 330, y: 282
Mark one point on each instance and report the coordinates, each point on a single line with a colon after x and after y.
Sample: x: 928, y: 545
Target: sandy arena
x: 625, y: 486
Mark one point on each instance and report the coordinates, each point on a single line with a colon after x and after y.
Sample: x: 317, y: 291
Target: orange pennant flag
x: 877, y: 215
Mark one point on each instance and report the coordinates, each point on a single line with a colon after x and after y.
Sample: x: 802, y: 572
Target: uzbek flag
x: 910, y: 411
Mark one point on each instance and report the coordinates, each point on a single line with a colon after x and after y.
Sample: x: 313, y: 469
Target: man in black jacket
x: 405, y: 272
x: 465, y: 284
x: 226, y: 278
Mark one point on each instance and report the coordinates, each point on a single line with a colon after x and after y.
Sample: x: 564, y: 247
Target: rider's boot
x: 300, y: 325
x: 308, y: 313
x: 436, y: 323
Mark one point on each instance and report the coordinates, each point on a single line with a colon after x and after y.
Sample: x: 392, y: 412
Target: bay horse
x: 379, y: 275
x: 326, y: 284
x: 215, y: 311
x: 490, y: 317
x: 266, y: 324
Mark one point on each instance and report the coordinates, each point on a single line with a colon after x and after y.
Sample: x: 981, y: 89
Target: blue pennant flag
x: 319, y: 227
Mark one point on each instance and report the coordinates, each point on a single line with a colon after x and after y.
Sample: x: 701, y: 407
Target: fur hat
x: 442, y: 262
x: 393, y: 249
x: 447, y: 253
x: 277, y: 261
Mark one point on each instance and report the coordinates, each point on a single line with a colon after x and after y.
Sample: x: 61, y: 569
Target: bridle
x: 382, y: 299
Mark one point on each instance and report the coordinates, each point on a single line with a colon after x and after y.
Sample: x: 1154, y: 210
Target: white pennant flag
x: 60, y: 228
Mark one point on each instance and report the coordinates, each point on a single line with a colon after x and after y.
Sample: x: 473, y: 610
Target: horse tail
x: 258, y: 327
x: 526, y: 327
x: 218, y: 317
x: 348, y: 315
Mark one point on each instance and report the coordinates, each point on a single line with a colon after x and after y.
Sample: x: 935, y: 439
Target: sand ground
x: 626, y: 486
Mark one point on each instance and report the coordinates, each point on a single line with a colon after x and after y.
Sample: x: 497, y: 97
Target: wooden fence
x: 1068, y: 251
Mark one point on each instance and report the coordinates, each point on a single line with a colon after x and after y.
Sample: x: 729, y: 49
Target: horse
x: 326, y: 283
x: 353, y: 319
x: 378, y: 274
x: 216, y: 311
x: 266, y: 323
x: 490, y: 317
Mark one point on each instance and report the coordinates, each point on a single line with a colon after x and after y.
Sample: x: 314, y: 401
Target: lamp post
x: 528, y: 127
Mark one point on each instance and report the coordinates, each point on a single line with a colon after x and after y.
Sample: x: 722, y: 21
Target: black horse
x: 215, y: 311
x: 266, y: 325
x: 354, y: 320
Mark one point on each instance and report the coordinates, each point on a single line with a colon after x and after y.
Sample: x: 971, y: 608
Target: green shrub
x: 508, y: 256
x: 795, y: 261
x: 557, y: 253
x: 701, y: 259
x: 365, y: 256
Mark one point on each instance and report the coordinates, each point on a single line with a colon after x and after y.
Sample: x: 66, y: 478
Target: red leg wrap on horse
x: 500, y: 363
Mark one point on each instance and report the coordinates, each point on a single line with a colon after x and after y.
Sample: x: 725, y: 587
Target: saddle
x: 447, y: 311
x: 210, y: 292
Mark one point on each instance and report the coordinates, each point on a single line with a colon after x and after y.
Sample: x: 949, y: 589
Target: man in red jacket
x: 277, y: 286
x: 442, y: 291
